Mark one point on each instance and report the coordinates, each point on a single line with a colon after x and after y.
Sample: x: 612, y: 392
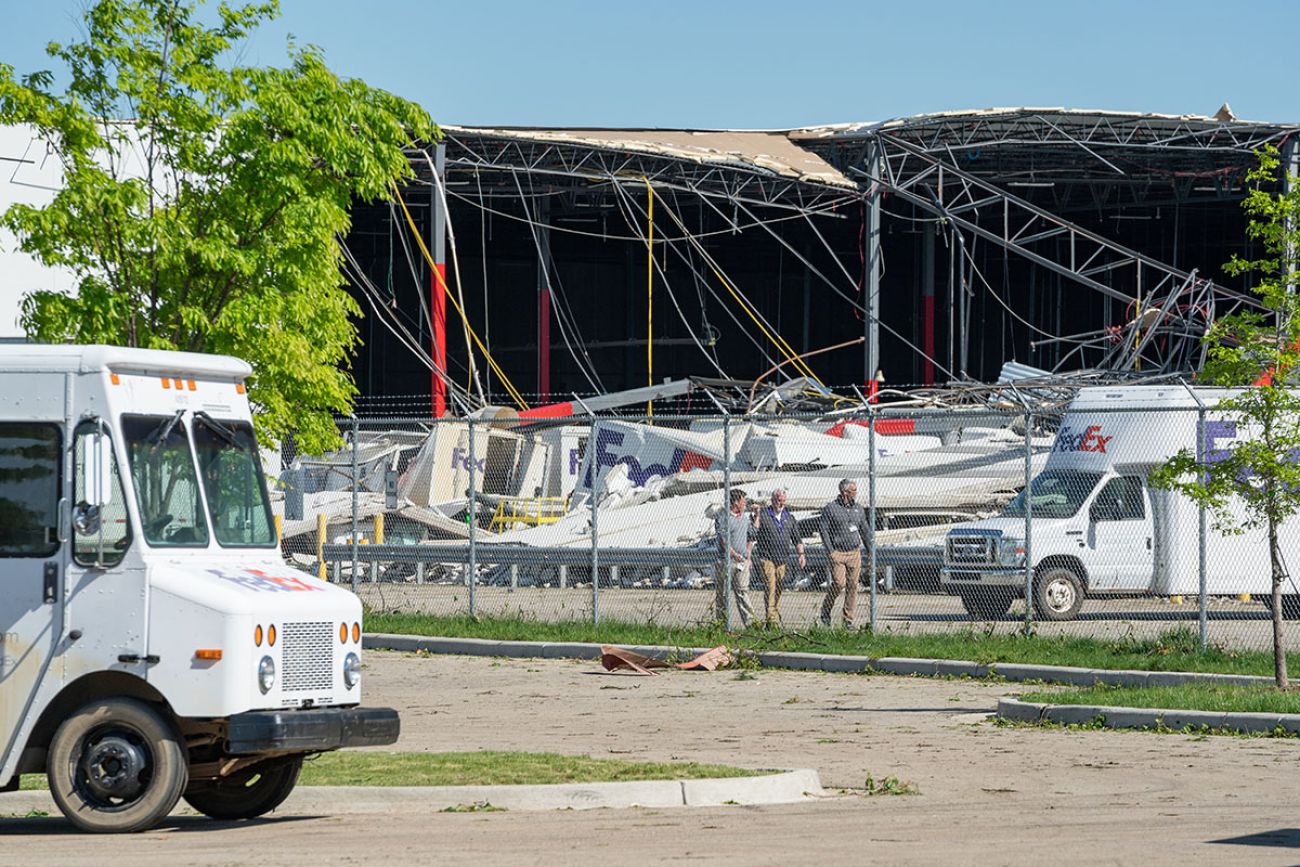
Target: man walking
x: 735, y: 539
x: 778, y: 533
x: 843, y: 527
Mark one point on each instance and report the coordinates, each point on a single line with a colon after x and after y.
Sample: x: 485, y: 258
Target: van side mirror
x: 96, y: 463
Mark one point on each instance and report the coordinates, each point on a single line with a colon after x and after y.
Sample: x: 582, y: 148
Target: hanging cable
x: 634, y: 222
x: 589, y: 369
x: 668, y: 287
x: 505, y: 380
x: 776, y: 339
x: 650, y: 295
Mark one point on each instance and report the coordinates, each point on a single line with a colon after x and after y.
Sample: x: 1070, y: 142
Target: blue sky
x: 761, y: 64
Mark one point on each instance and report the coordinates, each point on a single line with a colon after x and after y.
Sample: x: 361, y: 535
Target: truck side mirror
x: 96, y: 462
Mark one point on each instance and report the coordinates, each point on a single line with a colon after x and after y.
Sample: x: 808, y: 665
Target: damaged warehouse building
x: 572, y: 332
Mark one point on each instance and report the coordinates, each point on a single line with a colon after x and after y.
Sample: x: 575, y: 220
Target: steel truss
x: 731, y: 180
x: 1169, y: 309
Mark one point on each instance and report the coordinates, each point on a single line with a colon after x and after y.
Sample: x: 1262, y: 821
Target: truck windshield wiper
x: 159, y: 434
x: 217, y: 428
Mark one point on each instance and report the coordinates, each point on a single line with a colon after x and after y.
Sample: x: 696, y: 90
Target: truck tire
x: 987, y: 603
x: 248, y: 793
x: 1058, y: 594
x: 116, y: 766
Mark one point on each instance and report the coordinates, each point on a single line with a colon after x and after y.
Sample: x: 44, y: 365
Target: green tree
x: 1255, y: 482
x: 203, y: 201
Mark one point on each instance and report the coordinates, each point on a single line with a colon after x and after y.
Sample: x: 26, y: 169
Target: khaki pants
x: 739, y: 573
x: 773, y: 579
x: 845, y: 566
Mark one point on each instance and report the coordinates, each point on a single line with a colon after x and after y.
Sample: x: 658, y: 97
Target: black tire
x: 1290, y: 605
x: 248, y: 793
x: 1058, y: 594
x: 116, y: 766
x: 987, y: 603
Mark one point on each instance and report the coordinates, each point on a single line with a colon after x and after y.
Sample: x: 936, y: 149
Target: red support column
x: 544, y: 344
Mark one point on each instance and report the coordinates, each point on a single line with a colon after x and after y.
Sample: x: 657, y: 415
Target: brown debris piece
x: 613, y: 658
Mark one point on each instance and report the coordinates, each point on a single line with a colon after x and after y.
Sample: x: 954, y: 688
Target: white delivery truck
x: 155, y: 645
x: 1098, y: 528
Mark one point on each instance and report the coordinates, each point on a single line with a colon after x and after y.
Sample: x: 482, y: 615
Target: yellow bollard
x: 379, y: 529
x: 322, y: 528
x: 1243, y: 597
x: 279, y: 529
x: 1176, y: 599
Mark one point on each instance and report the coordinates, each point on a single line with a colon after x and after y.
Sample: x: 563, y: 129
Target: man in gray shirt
x: 735, y: 530
x: 843, y: 527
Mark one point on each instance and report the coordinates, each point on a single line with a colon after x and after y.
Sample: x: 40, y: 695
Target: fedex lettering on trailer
x: 682, y: 460
x: 1090, y: 439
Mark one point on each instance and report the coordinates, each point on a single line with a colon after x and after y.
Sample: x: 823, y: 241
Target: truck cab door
x: 1121, y: 536
x: 106, y: 580
x: 31, y: 564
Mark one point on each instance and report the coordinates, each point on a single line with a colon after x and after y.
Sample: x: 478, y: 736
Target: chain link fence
x: 897, y: 520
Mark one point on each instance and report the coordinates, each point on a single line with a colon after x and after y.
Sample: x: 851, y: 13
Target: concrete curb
x: 1142, y: 717
x: 823, y: 662
x: 785, y: 787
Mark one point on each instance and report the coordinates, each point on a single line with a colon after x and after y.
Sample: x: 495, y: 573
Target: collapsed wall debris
x: 538, y: 483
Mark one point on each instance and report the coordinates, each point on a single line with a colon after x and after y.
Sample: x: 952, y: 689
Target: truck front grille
x: 307, y: 656
x: 972, y: 549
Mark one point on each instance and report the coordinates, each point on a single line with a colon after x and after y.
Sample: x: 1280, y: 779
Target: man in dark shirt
x: 843, y: 526
x: 778, y: 533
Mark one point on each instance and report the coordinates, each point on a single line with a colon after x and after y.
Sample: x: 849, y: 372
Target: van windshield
x: 162, y: 473
x: 1056, y: 493
x: 233, y: 482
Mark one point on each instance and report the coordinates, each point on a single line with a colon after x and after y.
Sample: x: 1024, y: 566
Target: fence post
x: 871, y: 511
x: 1029, y: 524
x: 322, y: 530
x: 356, y: 496
x: 725, y: 560
x: 595, y: 533
x: 472, y: 522
x: 1203, y: 614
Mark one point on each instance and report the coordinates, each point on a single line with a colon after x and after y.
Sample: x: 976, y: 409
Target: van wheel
x: 1290, y: 605
x: 246, y: 794
x: 1058, y: 594
x: 987, y: 603
x: 116, y: 766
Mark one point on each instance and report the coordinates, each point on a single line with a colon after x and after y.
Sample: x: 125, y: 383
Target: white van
x: 155, y: 645
x: 1098, y: 528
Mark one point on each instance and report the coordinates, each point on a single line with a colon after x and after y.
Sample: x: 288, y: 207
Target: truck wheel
x: 116, y: 766
x: 1058, y: 594
x: 248, y: 793
x: 987, y: 603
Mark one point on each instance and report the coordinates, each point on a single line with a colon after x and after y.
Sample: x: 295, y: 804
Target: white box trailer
x: 1098, y: 528
x: 155, y: 645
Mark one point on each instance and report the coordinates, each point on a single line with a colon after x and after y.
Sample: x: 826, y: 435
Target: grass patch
x: 493, y: 769
x: 1175, y: 650
x: 487, y: 768
x: 1189, y: 696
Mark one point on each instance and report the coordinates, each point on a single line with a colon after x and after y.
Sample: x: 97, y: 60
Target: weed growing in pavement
x: 890, y: 785
x: 476, y: 807
x: 745, y: 675
x: 794, y: 699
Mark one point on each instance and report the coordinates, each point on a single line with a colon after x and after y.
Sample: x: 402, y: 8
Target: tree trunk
x: 1279, y: 652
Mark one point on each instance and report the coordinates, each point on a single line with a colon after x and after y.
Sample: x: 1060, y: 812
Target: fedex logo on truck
x: 681, y: 460
x: 1090, y: 439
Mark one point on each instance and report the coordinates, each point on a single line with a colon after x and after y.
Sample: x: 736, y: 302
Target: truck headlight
x: 351, y: 670
x: 266, y: 674
x: 1011, y: 551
